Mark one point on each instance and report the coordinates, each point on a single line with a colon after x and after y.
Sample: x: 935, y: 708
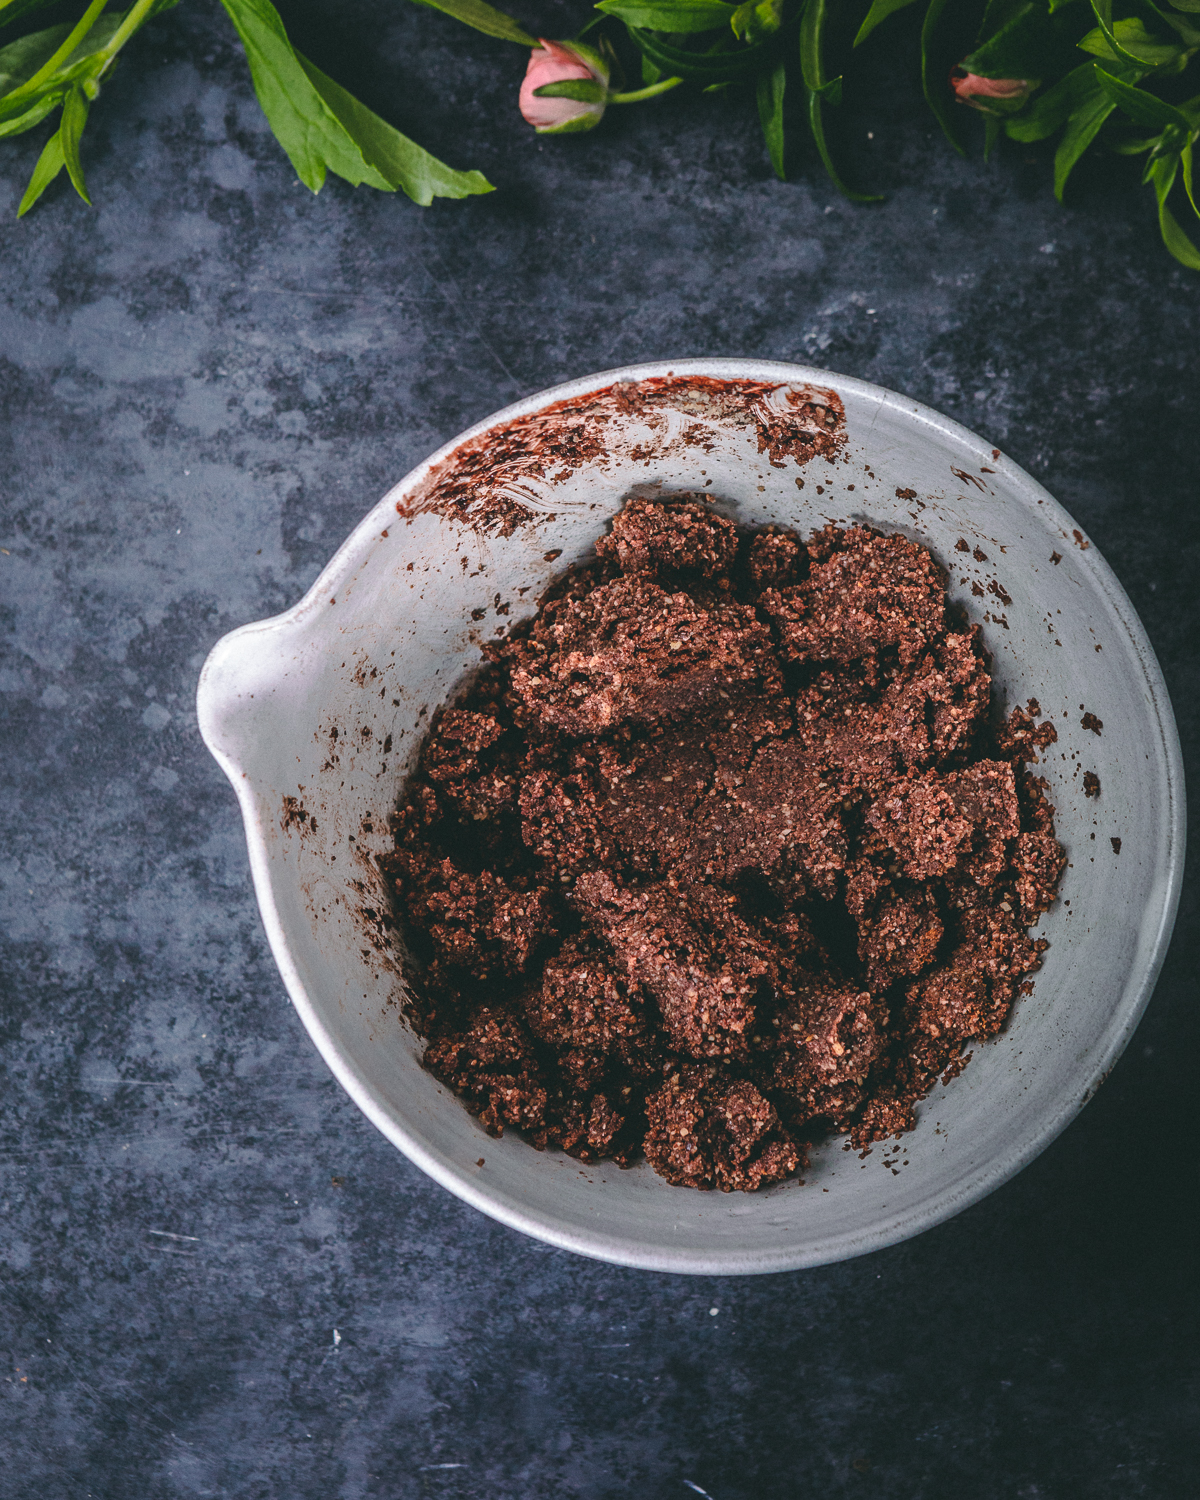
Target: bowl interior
x: 316, y: 716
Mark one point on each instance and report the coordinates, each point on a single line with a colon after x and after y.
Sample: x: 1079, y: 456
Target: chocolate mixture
x: 723, y: 854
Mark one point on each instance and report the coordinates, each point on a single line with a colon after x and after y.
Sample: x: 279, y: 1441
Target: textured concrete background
x: 205, y: 382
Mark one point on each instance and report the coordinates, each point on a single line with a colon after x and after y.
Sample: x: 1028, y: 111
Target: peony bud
x: 986, y: 93
x: 563, y: 62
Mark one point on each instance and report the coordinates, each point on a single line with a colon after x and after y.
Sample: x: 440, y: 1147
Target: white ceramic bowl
x: 316, y: 715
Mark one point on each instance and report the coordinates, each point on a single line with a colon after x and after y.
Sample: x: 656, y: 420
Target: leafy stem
x: 60, y: 56
x: 133, y: 19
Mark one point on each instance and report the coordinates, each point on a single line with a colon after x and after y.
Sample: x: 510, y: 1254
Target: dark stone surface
x: 205, y: 382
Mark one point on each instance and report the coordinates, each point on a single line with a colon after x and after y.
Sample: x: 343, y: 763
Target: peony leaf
x: 880, y: 11
x: 704, y: 67
x: 323, y: 128
x: 756, y: 19
x: 34, y: 115
x: 1027, y: 46
x: 74, y: 118
x: 1142, y: 107
x: 770, y: 90
x: 1091, y: 109
x: 936, y: 63
x: 1050, y: 110
x: 49, y: 165
x: 817, y: 88
x: 1127, y: 39
x: 483, y: 17
x: 400, y: 161
x: 680, y: 17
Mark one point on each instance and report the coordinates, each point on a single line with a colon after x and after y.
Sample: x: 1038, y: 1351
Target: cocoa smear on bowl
x: 480, y: 484
x: 724, y: 853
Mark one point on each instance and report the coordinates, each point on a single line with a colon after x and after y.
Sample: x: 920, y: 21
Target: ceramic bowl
x: 316, y: 716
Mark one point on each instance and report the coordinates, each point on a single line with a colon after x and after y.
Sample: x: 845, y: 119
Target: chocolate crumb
x: 1116, y: 844
x: 1091, y: 784
x: 1056, y: 558
x: 1090, y: 721
x: 722, y: 852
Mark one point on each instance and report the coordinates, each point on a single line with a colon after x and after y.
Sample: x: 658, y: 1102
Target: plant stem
x: 638, y: 95
x: 133, y: 19
x: 52, y: 64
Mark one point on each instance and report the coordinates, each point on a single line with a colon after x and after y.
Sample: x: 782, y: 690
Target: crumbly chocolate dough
x: 723, y: 853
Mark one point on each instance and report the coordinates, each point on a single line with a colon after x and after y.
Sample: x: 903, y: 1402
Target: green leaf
x: 880, y: 11
x: 935, y: 69
x: 1182, y: 26
x: 1176, y: 241
x: 1131, y: 40
x: 1185, y: 158
x: 21, y: 59
x: 1191, y: 6
x: 714, y: 66
x: 1128, y: 39
x: 304, y: 125
x: 1162, y: 174
x: 74, y: 118
x: 400, y: 162
x: 756, y: 19
x: 586, y: 90
x: 1092, y: 107
x: 49, y: 165
x: 13, y: 10
x: 48, y: 72
x: 32, y: 116
x: 770, y: 114
x: 1163, y: 177
x: 323, y: 128
x: 996, y: 16
x: 651, y: 72
x: 816, y: 87
x: 1020, y: 49
x: 1050, y: 110
x: 1142, y: 107
x: 680, y: 17
x: 483, y: 17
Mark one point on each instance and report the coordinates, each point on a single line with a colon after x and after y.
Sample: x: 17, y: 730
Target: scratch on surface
x: 167, y: 1235
x: 442, y: 1466
x: 113, y: 1083
x: 698, y: 1490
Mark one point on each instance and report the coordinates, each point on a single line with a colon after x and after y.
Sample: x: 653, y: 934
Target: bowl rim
x: 976, y: 1184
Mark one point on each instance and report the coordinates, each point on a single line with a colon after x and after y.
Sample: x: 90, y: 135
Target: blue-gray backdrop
x: 206, y: 380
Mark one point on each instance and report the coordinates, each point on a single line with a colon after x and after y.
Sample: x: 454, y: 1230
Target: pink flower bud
x: 971, y: 89
x: 561, y: 62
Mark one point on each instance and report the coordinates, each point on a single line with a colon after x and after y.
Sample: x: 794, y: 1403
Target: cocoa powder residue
x: 481, y: 483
